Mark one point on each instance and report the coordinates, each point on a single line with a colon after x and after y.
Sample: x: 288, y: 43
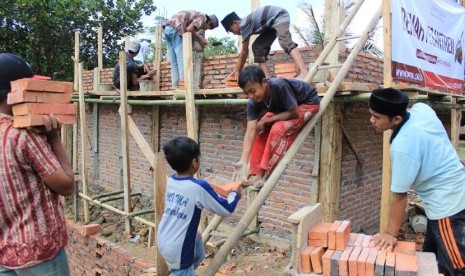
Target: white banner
x: 427, y: 42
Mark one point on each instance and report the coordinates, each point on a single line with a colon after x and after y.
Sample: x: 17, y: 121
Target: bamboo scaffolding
x: 252, y: 211
x: 107, y: 194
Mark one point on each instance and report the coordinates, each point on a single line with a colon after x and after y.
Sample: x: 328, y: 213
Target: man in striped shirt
x: 34, y: 172
x: 269, y: 22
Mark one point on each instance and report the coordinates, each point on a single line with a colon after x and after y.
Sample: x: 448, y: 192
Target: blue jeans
x: 174, y: 44
x: 57, y: 266
x: 199, y: 255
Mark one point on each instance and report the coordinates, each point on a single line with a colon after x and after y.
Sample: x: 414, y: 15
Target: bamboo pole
x: 100, y: 51
x: 142, y: 212
x: 141, y: 142
x: 328, y: 48
x: 83, y: 124
x: 158, y: 57
x: 159, y: 175
x: 87, y: 198
x: 213, y: 225
x: 76, y: 61
x: 107, y: 194
x: 385, y: 212
x: 191, y: 116
x: 113, y: 198
x: 123, y: 110
x: 244, y: 222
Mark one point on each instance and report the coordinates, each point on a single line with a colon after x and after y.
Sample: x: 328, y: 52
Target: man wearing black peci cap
x: 268, y: 22
x: 423, y: 159
x: 34, y: 172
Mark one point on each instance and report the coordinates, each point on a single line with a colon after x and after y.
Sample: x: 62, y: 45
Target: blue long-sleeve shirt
x: 185, y: 198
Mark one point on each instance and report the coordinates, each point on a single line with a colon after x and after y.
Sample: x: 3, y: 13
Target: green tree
x: 42, y: 31
x: 314, y: 33
x: 227, y: 47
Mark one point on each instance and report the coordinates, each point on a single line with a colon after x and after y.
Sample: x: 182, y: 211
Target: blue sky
x: 243, y: 7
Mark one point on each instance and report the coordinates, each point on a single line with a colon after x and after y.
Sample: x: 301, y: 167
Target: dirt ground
x: 249, y: 257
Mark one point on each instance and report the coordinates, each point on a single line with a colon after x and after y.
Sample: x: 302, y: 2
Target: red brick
x: 285, y: 68
x: 352, y: 239
x: 370, y: 263
x: 319, y: 231
x: 380, y: 261
x: 224, y: 189
x: 366, y: 241
x: 326, y: 260
x: 344, y: 261
x: 38, y: 97
x: 405, y: 248
x: 342, y: 235
x: 406, y: 264
x: 43, y: 108
x: 316, y: 256
x: 286, y: 75
x: 38, y: 120
x: 41, y: 86
x: 90, y: 229
x: 389, y: 267
x: 353, y: 260
x: 332, y: 234
x: 305, y: 259
x: 335, y: 263
x: 362, y: 258
x: 318, y: 243
x: 359, y: 240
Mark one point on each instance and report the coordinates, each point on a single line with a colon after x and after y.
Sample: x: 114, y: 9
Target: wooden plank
x: 331, y: 27
x: 155, y: 128
x: 455, y: 125
x: 95, y: 146
x: 96, y: 80
x: 159, y: 203
x: 204, y: 92
x: 83, y: 125
x: 126, y: 45
x: 123, y: 110
x: 317, y: 149
x: 386, y: 174
x: 76, y: 61
x: 191, y: 116
x: 302, y: 221
x: 140, y: 141
x: 331, y: 156
x: 99, y: 49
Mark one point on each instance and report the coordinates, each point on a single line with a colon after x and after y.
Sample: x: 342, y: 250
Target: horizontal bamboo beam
x: 107, y: 194
x: 116, y: 210
x: 142, y: 212
x: 113, y: 198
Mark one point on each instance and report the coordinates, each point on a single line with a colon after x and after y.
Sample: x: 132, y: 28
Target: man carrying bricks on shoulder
x: 269, y: 22
x: 34, y: 172
x: 423, y: 159
x: 289, y: 104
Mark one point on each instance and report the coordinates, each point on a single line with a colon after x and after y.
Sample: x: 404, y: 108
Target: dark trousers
x: 446, y: 238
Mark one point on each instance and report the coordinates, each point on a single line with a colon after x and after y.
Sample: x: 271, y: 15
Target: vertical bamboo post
x: 331, y: 30
x: 95, y: 135
x: 76, y: 61
x: 386, y: 175
x: 83, y: 124
x: 126, y: 43
x: 158, y: 57
x: 160, y: 193
x: 76, y: 171
x: 100, y: 47
x: 191, y: 116
x: 254, y: 5
x: 124, y: 139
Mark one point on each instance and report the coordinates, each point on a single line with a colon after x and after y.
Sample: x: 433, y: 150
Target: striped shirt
x: 262, y: 20
x: 181, y: 20
x: 32, y: 223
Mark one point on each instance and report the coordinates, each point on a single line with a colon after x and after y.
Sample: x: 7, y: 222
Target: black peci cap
x: 228, y: 20
x: 12, y: 67
x: 389, y: 101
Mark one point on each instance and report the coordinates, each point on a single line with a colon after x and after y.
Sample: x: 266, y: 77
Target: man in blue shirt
x: 423, y: 159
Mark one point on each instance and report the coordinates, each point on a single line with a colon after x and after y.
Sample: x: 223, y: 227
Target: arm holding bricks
x: 389, y: 239
x: 242, y: 58
x: 240, y: 168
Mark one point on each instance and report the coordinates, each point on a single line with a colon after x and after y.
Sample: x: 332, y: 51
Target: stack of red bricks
x: 32, y: 99
x: 285, y: 70
x: 332, y: 250
x: 231, y: 82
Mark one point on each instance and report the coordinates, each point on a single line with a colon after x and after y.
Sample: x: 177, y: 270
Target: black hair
x: 251, y: 73
x: 180, y: 152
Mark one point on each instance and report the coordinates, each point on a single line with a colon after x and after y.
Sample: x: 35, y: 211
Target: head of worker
x: 183, y: 155
x: 388, y: 108
x: 12, y: 67
x: 210, y: 23
x: 254, y: 83
x: 134, y: 47
x: 232, y: 23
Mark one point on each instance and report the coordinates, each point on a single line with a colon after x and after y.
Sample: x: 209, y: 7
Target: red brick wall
x: 95, y: 256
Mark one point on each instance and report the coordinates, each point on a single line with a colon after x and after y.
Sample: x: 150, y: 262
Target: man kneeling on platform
x: 289, y: 104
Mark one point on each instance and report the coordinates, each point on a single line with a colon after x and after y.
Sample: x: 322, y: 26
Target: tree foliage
x: 228, y: 47
x: 42, y: 31
x: 314, y: 33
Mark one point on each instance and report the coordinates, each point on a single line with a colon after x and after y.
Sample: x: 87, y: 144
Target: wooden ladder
x: 265, y: 191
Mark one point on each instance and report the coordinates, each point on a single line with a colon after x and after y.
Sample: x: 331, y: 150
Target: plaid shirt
x: 32, y: 223
x: 182, y: 19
